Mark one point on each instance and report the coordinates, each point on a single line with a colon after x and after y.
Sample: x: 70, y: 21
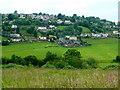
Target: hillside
x: 103, y: 50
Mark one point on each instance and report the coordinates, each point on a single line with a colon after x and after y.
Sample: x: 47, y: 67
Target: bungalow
x: 51, y: 36
x: 41, y: 28
x: 14, y: 35
x: 16, y: 40
x: 42, y: 38
x: 96, y: 35
x: 116, y: 32
x: 59, y: 21
x: 52, y: 27
x: 72, y: 38
x: 105, y: 35
x: 67, y: 22
x: 67, y: 37
x: 14, y: 26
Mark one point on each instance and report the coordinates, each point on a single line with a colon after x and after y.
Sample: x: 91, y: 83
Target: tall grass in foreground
x: 54, y: 78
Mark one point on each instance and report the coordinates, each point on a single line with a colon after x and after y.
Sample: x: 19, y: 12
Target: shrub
x: 4, y: 43
x: 75, y: 62
x: 68, y: 67
x: 92, y: 63
x: 17, y: 60
x: 60, y: 64
x: 5, y: 60
x: 112, y: 67
x: 12, y: 65
x: 48, y: 65
x: 31, y: 60
x: 72, y: 57
x: 85, y: 65
x: 50, y: 57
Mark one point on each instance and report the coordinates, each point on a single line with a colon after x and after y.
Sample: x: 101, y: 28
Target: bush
x: 68, y: 67
x: 5, y: 60
x: 12, y: 65
x: 75, y: 62
x: 60, y: 64
x: 117, y: 59
x: 85, y: 65
x: 48, y: 65
x: 92, y: 63
x: 31, y: 60
x: 112, y: 67
x: 17, y: 60
x: 50, y: 57
x: 4, y: 43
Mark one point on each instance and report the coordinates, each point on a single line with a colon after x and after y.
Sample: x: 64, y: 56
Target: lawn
x: 54, y: 78
x: 103, y: 50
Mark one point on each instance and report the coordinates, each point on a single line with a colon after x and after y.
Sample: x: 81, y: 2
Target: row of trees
x: 71, y: 59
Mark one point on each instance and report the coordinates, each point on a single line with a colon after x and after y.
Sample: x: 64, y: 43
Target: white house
x: 59, y: 21
x: 52, y: 27
x: 42, y: 28
x: 67, y: 37
x: 16, y: 40
x: 105, y: 35
x: 96, y: 35
x: 14, y: 26
x: 14, y: 35
x: 68, y: 22
x: 116, y: 32
x: 42, y: 38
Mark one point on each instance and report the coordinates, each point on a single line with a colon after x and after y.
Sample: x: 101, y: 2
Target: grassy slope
x: 84, y: 29
x: 54, y: 78
x: 102, y: 49
x: 2, y: 38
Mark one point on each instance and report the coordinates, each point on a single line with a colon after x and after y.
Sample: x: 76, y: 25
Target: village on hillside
x: 49, y: 28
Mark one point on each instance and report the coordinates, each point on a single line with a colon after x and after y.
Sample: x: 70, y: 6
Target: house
x: 14, y: 26
x: 116, y: 32
x: 67, y: 37
x: 67, y: 22
x: 62, y: 39
x: 59, y: 21
x: 51, y: 36
x: 16, y: 40
x: 42, y: 38
x: 72, y: 38
x: 41, y: 28
x: 14, y: 35
x: 52, y: 27
x: 105, y: 35
x: 96, y: 35
x: 22, y: 16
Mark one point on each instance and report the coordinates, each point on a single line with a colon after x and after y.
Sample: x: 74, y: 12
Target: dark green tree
x: 12, y: 16
x: 72, y: 56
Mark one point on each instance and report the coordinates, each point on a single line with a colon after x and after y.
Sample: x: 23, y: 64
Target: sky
x: 105, y: 9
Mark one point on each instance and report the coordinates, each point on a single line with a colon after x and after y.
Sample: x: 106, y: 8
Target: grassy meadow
x: 54, y: 78
x: 103, y: 50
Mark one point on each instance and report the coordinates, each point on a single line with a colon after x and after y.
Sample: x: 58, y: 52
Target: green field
x: 104, y: 50
x: 54, y: 78
x: 3, y: 38
x: 84, y: 29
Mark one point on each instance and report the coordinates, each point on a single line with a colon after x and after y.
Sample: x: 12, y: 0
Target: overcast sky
x: 105, y: 9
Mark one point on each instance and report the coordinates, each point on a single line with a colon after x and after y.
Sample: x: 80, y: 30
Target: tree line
x: 70, y: 59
